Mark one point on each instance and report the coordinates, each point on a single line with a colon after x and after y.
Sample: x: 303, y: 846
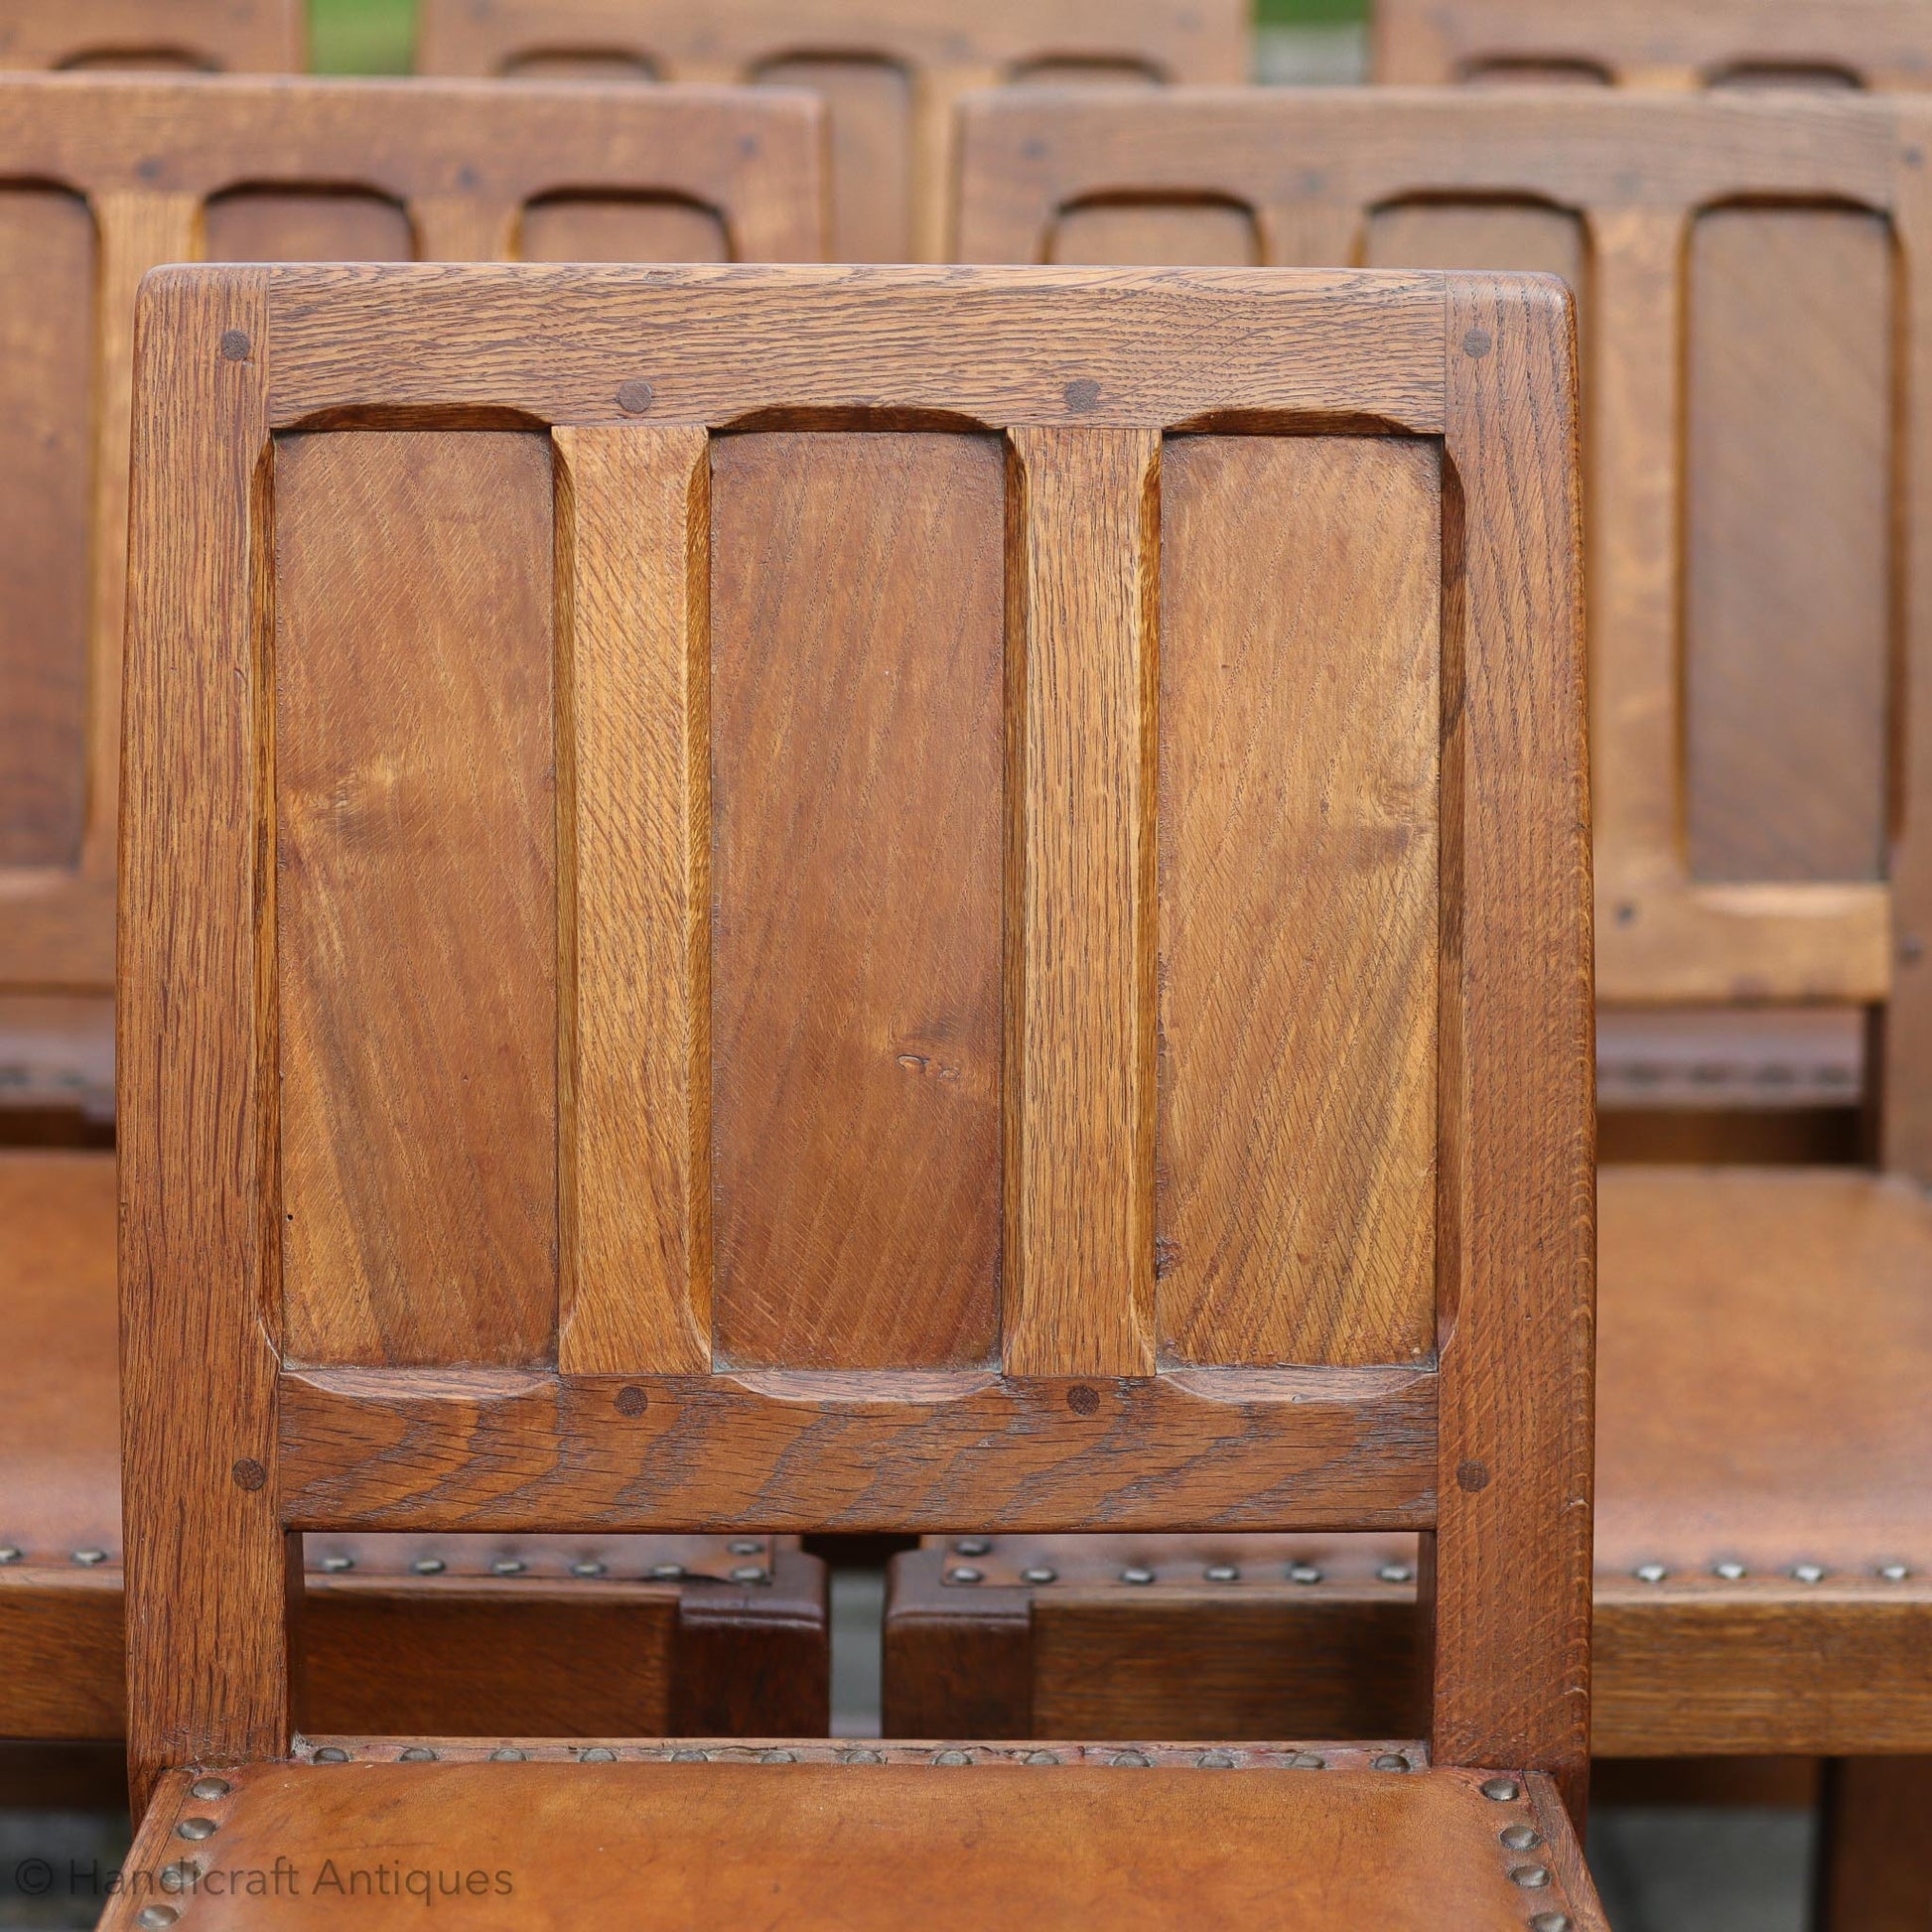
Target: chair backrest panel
x: 1742, y: 264
x: 102, y: 179
x: 46, y: 245
x: 811, y: 912
x: 1881, y: 44
x: 185, y: 35
x: 890, y: 72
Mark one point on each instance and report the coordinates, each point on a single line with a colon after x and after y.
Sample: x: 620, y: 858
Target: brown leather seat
x: 1763, y: 1526
x: 545, y: 1635
x: 1112, y: 1840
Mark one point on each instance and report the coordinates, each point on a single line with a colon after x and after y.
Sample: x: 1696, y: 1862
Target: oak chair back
x: 1757, y: 421
x: 1880, y: 45
x: 100, y: 179
x: 185, y: 35
x: 749, y: 833
x: 890, y: 70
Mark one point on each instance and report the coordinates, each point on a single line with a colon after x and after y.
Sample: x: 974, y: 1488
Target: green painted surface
x: 361, y: 36
x: 373, y: 36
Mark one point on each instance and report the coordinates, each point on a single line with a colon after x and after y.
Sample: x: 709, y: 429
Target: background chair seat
x: 874, y: 1847
x: 1765, y: 1341
x: 720, y: 1635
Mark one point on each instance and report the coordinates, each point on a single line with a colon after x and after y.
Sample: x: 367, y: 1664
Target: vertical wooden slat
x: 869, y: 106
x: 857, y: 605
x: 1638, y: 380
x: 634, y: 900
x: 461, y: 229
x: 137, y: 232
x: 1906, y: 1068
x: 1081, y: 916
x: 1301, y: 603
x: 938, y: 92
x: 415, y: 639
x: 208, y: 1597
x: 1509, y: 1579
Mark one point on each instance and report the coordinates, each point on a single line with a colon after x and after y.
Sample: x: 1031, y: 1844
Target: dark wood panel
x: 1301, y: 597
x: 857, y: 626
x: 621, y: 228
x: 1202, y: 233
x: 588, y: 64
x: 416, y: 897
x: 287, y: 224
x: 1788, y: 598
x: 46, y: 355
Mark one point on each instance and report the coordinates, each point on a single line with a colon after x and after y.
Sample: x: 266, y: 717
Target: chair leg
x: 1874, y: 1862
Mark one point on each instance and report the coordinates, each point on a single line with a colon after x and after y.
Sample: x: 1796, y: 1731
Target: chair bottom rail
x: 1394, y: 1756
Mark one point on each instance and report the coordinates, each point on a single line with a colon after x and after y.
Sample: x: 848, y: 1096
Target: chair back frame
x: 616, y: 1376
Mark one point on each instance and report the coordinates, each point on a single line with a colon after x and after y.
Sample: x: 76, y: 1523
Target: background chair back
x: 1755, y: 419
x: 1883, y: 45
x: 192, y: 35
x: 105, y: 177
x: 891, y: 70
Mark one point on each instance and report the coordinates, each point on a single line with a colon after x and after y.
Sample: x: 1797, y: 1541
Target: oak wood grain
x: 635, y: 904
x: 416, y: 901
x: 1083, y: 665
x: 208, y: 1584
x: 922, y: 338
x: 1515, y: 1255
x: 1300, y: 708
x: 856, y: 785
x: 859, y: 1451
